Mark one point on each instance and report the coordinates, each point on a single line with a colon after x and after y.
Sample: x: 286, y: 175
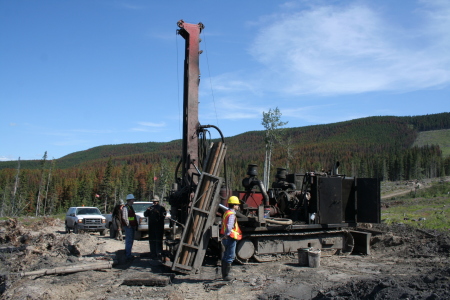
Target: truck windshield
x: 88, y: 211
x: 141, y: 207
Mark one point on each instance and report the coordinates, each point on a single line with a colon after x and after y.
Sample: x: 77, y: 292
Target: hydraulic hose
x: 279, y: 221
x: 238, y: 213
x: 223, y: 141
x: 263, y: 191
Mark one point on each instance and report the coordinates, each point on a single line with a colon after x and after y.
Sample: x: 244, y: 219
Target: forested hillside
x: 435, y: 137
x: 370, y: 147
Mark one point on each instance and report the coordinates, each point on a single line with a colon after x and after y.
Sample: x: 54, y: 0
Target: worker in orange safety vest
x: 230, y: 234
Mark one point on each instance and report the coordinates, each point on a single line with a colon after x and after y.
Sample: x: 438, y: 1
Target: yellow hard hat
x: 233, y: 200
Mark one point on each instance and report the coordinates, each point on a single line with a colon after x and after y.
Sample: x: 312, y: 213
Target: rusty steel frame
x: 335, y: 206
x: 191, y: 34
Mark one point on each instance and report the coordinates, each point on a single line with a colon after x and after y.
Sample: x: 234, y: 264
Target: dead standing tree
x: 16, y: 186
x: 41, y: 184
x: 6, y: 195
x: 47, y: 202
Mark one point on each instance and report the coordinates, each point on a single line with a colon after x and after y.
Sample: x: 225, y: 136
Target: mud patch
x: 404, y: 263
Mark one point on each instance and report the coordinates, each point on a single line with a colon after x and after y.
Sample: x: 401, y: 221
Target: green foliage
x: 440, y: 189
x: 435, y: 137
x: 429, y: 122
x: 272, y: 124
x: 372, y: 147
x: 121, y: 153
x: 427, y: 208
x: 106, y: 196
x: 163, y: 179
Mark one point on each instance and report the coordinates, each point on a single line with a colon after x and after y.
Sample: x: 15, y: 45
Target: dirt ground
x: 404, y: 263
x: 390, y: 189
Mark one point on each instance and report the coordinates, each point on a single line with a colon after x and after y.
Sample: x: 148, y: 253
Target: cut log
x: 11, y: 249
x: 71, y: 269
x: 427, y: 233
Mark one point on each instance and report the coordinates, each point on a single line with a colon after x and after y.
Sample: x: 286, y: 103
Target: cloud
x: 12, y: 124
x: 149, y: 127
x: 230, y: 108
x: 235, y: 82
x: 143, y: 129
x: 7, y: 158
x: 150, y: 124
x: 352, y: 49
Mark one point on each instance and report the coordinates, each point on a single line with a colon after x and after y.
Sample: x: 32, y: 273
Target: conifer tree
x: 163, y: 180
x: 106, y: 186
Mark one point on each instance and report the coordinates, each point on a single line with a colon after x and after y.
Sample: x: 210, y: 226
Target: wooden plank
x: 200, y: 204
x: 181, y: 255
x: 201, y: 215
x: 206, y: 232
x: 190, y: 246
x: 201, y: 210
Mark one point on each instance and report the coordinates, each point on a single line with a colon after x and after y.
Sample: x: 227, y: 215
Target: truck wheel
x: 67, y: 229
x: 103, y: 232
x: 75, y: 229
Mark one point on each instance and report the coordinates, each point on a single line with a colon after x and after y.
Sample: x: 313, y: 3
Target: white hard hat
x: 155, y: 198
x: 130, y: 197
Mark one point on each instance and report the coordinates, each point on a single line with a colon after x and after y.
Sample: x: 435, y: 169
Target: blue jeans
x: 129, y: 239
x: 230, y: 250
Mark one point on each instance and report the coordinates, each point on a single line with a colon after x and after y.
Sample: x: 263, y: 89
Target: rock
x: 433, y: 296
x: 429, y: 279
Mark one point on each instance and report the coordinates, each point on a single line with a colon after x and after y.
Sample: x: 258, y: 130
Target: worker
x: 130, y: 224
x: 230, y: 234
x: 116, y: 222
x: 156, y: 215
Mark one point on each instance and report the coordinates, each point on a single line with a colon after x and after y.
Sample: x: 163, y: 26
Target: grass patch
x: 428, y: 208
x: 435, y: 137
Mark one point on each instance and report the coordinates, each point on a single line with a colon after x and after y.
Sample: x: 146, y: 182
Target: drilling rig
x: 318, y: 210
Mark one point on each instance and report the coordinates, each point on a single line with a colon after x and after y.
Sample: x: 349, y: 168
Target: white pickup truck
x: 139, y: 209
x: 85, y: 218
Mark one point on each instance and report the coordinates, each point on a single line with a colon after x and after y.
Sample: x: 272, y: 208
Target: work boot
x: 222, y: 267
x: 226, y: 271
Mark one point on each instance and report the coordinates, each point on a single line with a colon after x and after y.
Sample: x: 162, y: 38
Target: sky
x: 80, y: 74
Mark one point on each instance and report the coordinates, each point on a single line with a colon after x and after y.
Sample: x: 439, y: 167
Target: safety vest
x: 131, y: 216
x: 236, y: 232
